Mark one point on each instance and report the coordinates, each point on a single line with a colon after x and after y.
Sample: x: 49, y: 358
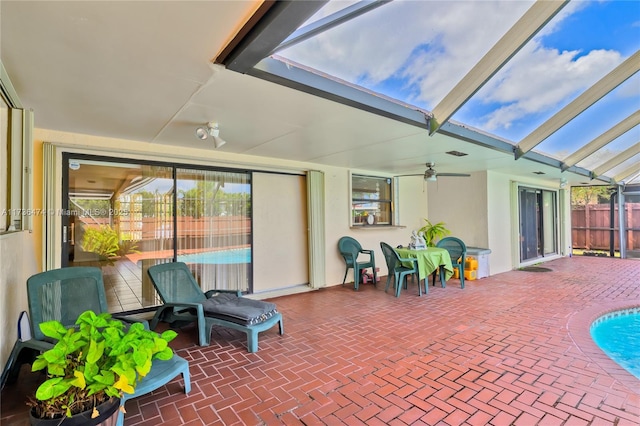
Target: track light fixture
x: 211, y: 129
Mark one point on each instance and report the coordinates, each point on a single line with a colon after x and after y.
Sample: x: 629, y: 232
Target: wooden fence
x: 591, y: 225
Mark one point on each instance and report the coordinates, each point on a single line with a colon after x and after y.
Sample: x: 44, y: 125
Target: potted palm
x: 434, y: 232
x: 90, y: 366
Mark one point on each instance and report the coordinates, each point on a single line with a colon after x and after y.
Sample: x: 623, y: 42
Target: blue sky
x: 416, y: 51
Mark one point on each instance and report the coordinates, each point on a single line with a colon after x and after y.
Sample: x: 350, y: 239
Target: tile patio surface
x: 511, y: 349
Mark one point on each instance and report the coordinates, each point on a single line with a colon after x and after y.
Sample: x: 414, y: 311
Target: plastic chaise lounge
x: 185, y: 302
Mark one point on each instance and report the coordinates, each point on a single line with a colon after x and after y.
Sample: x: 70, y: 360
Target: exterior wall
x: 503, y: 220
x: 18, y: 263
x: 461, y: 203
x: 20, y: 257
x: 500, y: 226
x: 413, y: 200
x: 481, y: 211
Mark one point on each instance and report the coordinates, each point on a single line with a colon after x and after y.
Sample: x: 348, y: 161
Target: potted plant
x: 91, y: 365
x: 433, y: 232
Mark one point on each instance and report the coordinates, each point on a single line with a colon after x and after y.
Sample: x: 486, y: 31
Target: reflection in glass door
x: 120, y: 219
x: 125, y: 217
x: 538, y: 223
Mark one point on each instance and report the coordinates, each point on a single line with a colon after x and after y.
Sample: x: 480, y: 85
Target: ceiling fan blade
x: 416, y: 174
x: 453, y: 174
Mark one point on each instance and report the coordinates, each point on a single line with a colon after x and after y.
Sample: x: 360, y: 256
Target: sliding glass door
x: 127, y: 216
x: 214, y: 226
x: 538, y: 223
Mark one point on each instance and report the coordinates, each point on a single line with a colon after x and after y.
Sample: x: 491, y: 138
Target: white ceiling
x: 142, y: 70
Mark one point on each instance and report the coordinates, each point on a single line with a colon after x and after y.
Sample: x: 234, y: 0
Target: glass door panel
x: 538, y: 223
x: 529, y: 224
x: 214, y: 227
x: 119, y: 219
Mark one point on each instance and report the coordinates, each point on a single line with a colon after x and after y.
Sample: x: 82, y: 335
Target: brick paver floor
x: 511, y: 349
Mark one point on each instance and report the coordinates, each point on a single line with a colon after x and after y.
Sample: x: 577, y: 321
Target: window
x: 15, y: 159
x: 4, y: 161
x: 371, y: 200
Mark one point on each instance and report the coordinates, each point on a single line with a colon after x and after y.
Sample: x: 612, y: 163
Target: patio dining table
x: 430, y: 260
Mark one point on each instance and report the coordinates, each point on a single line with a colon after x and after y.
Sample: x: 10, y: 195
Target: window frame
x: 391, y: 201
x: 16, y: 160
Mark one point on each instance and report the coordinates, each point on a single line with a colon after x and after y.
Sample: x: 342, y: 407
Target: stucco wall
x: 412, y: 204
x: 16, y: 265
x: 500, y: 226
x: 461, y: 203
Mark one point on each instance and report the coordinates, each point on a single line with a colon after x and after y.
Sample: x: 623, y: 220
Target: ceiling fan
x: 431, y: 174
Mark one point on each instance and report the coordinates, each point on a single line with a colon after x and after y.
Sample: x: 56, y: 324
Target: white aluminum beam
x: 326, y: 23
x: 594, y: 93
x: 631, y: 171
x: 518, y: 35
x: 623, y: 156
x: 602, y: 140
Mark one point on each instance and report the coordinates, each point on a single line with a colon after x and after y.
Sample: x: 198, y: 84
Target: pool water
x: 219, y: 257
x: 618, y: 335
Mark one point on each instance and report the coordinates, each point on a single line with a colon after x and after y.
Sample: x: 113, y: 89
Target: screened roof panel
x: 620, y: 144
x: 413, y: 51
x: 580, y: 45
x: 328, y: 9
x: 627, y: 172
x: 595, y: 120
x: 559, y: 79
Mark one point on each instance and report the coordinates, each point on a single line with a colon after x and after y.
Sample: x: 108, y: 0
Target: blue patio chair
x: 350, y: 249
x: 397, y: 267
x: 63, y: 294
x: 458, y: 252
x: 185, y: 302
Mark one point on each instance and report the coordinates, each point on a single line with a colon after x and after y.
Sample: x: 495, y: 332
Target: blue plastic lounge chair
x: 397, y: 267
x: 350, y: 249
x: 62, y: 295
x: 184, y: 301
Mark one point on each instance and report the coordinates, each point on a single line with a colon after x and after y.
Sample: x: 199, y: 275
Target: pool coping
x: 579, y: 329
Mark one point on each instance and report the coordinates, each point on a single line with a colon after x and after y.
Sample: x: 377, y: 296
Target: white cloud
x: 430, y: 43
x: 536, y: 81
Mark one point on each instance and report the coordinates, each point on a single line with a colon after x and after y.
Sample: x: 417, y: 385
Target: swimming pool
x: 618, y: 335
x: 218, y: 257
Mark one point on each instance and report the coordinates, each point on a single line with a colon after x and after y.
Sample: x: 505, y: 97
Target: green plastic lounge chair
x: 62, y: 295
x: 184, y: 302
x: 397, y: 267
x: 350, y: 249
x: 457, y: 251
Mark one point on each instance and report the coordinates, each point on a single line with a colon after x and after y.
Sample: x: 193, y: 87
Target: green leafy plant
x: 103, y: 241
x: 127, y: 246
x: 97, y: 360
x: 433, y: 232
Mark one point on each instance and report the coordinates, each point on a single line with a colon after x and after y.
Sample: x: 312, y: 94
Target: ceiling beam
x: 294, y: 76
x: 328, y: 22
x: 482, y: 139
x: 610, y: 135
x: 590, y: 96
x: 623, y: 156
x: 538, y: 15
x: 631, y: 171
x: 265, y: 31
